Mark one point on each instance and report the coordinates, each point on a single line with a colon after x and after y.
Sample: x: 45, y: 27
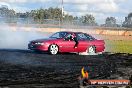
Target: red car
x: 63, y: 42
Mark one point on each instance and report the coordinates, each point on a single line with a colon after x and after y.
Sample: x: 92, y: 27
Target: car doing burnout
x: 62, y: 42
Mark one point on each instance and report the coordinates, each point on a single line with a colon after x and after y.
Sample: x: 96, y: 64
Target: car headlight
x: 39, y: 43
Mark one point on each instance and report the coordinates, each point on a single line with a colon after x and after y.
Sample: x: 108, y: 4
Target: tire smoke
x: 18, y: 39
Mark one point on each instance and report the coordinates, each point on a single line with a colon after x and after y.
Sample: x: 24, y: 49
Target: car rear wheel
x: 91, y: 50
x: 53, y: 49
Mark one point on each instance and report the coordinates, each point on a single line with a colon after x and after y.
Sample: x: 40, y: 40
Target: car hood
x: 43, y: 40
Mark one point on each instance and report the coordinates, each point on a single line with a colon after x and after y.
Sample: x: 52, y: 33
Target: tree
x: 128, y: 21
x: 68, y: 18
x: 50, y: 13
x: 7, y: 15
x: 38, y: 15
x: 88, y: 20
x: 76, y: 18
x: 110, y: 22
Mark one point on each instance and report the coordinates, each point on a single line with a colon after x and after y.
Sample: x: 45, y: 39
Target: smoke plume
x: 18, y: 39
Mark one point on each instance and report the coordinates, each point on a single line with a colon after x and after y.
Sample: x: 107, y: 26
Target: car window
x: 56, y: 35
x: 63, y: 34
x: 89, y: 37
x: 59, y: 35
x: 81, y: 36
x: 68, y: 37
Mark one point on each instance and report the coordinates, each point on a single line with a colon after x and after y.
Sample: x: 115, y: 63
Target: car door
x: 83, y: 43
x: 67, y: 45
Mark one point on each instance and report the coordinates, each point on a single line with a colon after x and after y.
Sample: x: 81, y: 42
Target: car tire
x: 91, y: 50
x: 53, y: 49
x: 37, y: 51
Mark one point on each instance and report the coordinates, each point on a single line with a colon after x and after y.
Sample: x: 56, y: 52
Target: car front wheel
x: 53, y: 49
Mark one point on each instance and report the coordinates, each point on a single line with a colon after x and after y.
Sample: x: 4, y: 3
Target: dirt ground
x: 28, y: 69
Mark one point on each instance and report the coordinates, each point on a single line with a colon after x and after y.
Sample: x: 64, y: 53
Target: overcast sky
x: 99, y: 8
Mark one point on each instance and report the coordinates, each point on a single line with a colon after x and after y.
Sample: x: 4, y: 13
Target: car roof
x: 71, y: 32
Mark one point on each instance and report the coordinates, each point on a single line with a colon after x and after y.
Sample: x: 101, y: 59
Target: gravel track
x: 27, y: 69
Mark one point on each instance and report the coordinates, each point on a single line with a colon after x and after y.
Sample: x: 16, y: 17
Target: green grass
x: 119, y: 46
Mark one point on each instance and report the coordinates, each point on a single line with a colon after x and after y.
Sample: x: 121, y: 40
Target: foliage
x: 88, y: 20
x: 128, y: 21
x: 110, y: 22
x: 41, y: 15
x: 5, y: 12
x: 54, y: 15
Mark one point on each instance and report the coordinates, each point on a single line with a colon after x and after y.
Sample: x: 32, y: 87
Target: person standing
x: 74, y: 37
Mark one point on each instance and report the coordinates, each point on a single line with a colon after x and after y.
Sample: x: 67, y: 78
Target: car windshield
x: 59, y: 35
x: 89, y: 37
x: 84, y: 36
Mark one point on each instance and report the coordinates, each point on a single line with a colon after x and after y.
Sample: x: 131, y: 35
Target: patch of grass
x: 119, y: 46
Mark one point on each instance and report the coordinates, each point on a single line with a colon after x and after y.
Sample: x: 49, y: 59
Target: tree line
x: 55, y: 15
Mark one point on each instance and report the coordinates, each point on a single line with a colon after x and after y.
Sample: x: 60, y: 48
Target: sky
x: 100, y: 9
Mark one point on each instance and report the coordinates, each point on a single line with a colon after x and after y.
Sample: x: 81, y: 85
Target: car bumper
x: 38, y: 47
x: 100, y: 48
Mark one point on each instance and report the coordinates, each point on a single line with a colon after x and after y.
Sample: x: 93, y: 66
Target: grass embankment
x: 119, y: 46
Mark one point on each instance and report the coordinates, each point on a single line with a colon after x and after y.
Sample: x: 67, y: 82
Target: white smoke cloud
x: 17, y: 39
